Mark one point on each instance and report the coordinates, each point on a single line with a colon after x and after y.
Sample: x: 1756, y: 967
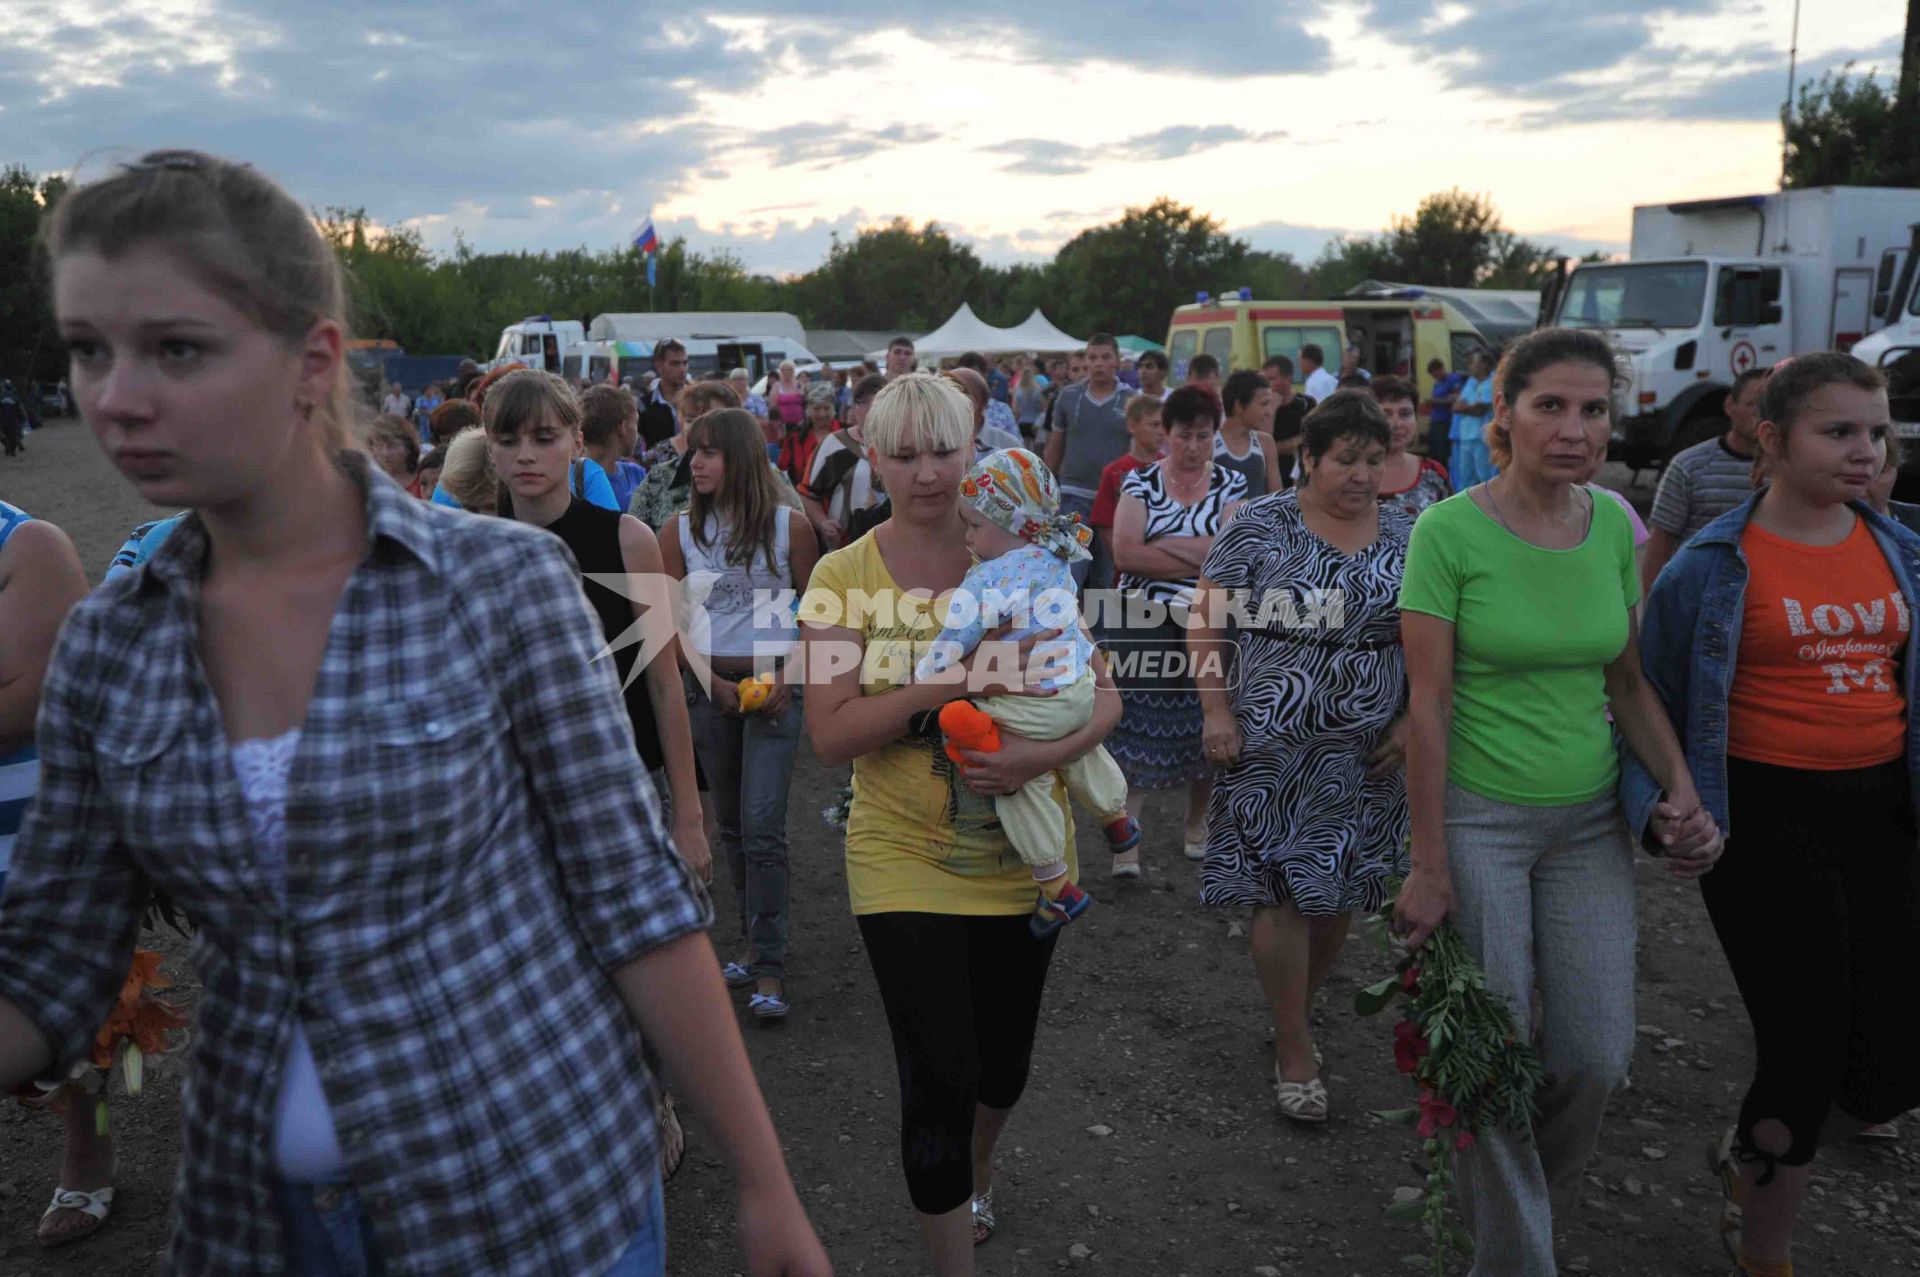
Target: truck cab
x: 539, y: 341
x: 1895, y: 349
x: 1685, y: 327
x: 1714, y: 287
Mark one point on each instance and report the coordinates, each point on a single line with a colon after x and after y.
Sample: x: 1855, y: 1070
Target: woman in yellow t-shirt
x: 941, y: 897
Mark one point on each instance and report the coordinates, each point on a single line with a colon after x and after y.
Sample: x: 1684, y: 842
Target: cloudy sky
x: 554, y: 124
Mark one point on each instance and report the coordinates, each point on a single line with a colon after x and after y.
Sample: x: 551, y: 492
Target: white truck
x: 1714, y: 287
x: 1895, y: 349
x: 621, y: 345
x: 538, y: 341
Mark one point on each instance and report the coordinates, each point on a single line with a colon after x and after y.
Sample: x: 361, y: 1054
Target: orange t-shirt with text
x: 1817, y: 684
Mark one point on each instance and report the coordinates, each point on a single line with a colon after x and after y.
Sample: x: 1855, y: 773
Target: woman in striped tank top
x: 1168, y: 516
x: 40, y: 579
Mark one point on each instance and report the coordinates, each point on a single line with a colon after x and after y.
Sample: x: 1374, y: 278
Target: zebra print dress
x: 1158, y: 742
x: 1296, y: 819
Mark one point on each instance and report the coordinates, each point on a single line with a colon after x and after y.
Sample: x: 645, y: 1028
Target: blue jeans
x: 1089, y: 574
x: 328, y: 1235
x: 749, y: 759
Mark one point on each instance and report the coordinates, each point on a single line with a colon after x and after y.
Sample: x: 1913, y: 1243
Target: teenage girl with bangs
x: 436, y: 902
x: 1780, y: 640
x: 744, y: 557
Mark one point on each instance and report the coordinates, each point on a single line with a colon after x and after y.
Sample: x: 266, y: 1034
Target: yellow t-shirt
x: 918, y: 839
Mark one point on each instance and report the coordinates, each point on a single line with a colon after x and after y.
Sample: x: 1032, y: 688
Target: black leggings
x: 963, y: 1000
x: 1816, y: 903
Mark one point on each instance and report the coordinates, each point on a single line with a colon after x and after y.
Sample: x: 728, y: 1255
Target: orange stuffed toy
x: 968, y: 727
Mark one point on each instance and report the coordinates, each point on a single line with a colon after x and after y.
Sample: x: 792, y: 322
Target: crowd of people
x: 451, y: 901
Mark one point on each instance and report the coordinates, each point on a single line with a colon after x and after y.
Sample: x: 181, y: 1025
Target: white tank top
x: 736, y: 610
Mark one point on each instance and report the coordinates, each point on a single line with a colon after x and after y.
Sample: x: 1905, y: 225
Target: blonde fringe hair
x: 1142, y: 406
x: 919, y: 410
x: 243, y: 237
x: 467, y: 472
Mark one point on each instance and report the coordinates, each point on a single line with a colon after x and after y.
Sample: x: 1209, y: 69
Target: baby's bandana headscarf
x: 1014, y: 489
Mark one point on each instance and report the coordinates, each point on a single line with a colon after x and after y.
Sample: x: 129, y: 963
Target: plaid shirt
x: 471, y: 846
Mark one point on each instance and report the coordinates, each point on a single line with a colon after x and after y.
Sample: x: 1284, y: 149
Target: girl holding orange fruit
x: 743, y: 559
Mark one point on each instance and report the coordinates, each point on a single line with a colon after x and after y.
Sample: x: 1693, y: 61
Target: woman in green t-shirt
x: 1516, y: 614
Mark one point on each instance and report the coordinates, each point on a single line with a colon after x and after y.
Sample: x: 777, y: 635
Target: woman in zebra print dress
x: 1168, y: 516
x: 1309, y: 814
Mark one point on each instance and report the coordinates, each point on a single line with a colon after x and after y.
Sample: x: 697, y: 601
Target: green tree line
x: 1125, y: 276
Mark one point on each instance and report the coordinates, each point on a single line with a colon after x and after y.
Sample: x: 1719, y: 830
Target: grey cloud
x: 485, y: 110
x: 1514, y: 46
x: 1043, y: 157
x: 824, y: 145
x: 1583, y: 63
x: 1185, y: 139
x: 1718, y: 92
x: 1231, y: 38
x: 1050, y: 157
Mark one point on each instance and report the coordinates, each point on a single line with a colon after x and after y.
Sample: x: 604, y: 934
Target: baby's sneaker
x: 1123, y: 834
x: 1051, y: 915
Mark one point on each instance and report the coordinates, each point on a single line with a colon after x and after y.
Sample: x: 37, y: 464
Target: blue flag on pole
x: 652, y: 262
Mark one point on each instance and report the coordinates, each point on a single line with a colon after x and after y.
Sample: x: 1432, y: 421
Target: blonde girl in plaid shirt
x: 474, y: 910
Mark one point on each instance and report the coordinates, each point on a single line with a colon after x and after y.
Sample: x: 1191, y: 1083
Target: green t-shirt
x: 1533, y: 632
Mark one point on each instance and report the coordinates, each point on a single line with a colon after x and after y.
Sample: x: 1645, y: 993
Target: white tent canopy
x: 965, y: 331
x: 962, y: 332
x: 1037, y: 332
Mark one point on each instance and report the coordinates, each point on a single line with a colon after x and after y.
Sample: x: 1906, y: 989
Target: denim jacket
x: 1690, y: 644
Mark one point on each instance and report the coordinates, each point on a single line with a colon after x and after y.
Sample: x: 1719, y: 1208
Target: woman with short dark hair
x: 1517, y: 615
x: 1308, y: 818
x: 1165, y: 525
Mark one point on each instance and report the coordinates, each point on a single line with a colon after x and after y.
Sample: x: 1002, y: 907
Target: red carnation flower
x: 1408, y: 1046
x: 1434, y: 1114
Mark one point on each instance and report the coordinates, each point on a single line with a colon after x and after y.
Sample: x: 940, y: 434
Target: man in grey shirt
x: 1089, y: 430
x: 1705, y: 481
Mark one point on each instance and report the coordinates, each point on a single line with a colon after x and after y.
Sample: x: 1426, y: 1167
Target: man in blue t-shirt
x: 1446, y: 388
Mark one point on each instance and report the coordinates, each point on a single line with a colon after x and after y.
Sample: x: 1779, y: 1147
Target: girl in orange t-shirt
x: 1819, y: 890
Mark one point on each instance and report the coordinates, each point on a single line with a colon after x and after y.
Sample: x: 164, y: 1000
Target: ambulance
x: 1400, y: 328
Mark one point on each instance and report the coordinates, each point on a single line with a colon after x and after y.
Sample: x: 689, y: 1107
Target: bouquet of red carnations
x: 1457, y: 1042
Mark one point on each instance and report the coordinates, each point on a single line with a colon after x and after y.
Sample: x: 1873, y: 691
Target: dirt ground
x: 1148, y: 1135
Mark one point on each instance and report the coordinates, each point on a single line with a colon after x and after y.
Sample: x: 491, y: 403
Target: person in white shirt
x: 1320, y: 382
x: 396, y: 403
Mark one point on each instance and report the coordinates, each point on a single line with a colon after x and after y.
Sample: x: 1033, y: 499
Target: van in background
x: 1400, y: 328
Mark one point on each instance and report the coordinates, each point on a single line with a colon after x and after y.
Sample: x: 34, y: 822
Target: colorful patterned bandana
x: 1016, y: 491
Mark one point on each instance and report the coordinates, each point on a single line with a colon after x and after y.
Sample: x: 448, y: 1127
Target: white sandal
x: 983, y: 1221
x: 94, y: 1205
x: 1304, y: 1102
